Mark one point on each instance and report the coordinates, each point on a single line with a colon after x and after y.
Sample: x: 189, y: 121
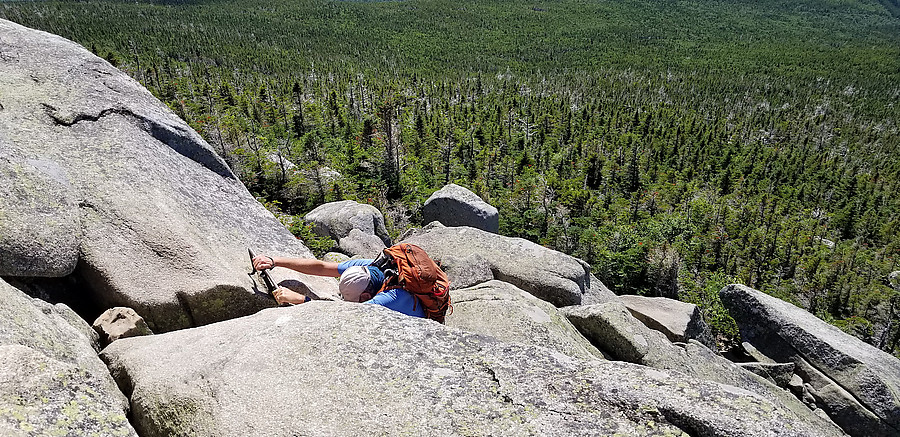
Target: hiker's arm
x: 302, y: 265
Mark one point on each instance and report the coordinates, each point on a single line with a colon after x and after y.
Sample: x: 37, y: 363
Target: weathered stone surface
x: 612, y: 329
x: 465, y: 272
x: 504, y: 311
x: 40, y: 225
x: 779, y: 374
x: 894, y: 279
x: 157, y: 220
x: 359, y: 243
x: 337, y: 219
x: 679, y: 321
x: 306, y: 370
x: 51, y: 381
x: 843, y: 363
x: 454, y: 205
x: 119, y: 322
x: 822, y: 393
x: 547, y: 274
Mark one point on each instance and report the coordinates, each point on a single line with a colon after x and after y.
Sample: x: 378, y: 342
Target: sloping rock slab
x: 547, y: 274
x: 157, y: 220
x: 336, y: 368
x: 504, y: 311
x: 679, y: 321
x: 40, y: 224
x: 337, y: 219
x: 454, y: 205
x: 51, y: 381
x: 787, y: 333
x: 612, y: 329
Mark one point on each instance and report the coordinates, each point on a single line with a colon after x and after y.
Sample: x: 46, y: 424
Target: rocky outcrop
x: 679, y: 321
x: 509, y: 314
x: 337, y: 219
x: 361, y: 244
x: 547, y: 274
x: 110, y: 185
x: 306, y: 370
x: 611, y: 328
x: 454, y: 205
x: 855, y: 383
x: 119, y: 322
x: 51, y: 381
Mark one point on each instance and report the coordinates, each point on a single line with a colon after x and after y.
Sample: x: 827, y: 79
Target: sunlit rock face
x: 108, y: 184
x: 313, y: 369
x: 855, y: 383
x: 51, y: 380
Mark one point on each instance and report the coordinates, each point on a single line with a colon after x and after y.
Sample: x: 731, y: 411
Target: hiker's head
x: 354, y: 282
x: 360, y: 283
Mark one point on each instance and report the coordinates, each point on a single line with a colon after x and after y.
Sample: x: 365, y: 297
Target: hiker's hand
x: 286, y: 295
x: 263, y: 262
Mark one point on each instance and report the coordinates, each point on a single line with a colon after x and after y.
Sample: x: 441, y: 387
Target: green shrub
x: 303, y: 230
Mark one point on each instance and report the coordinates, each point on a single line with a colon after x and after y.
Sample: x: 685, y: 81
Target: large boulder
x: 857, y: 384
x: 679, y: 321
x: 504, y: 311
x: 51, y: 381
x: 337, y: 219
x: 361, y: 244
x: 106, y: 175
x: 454, y: 205
x: 464, y: 272
x: 547, y: 274
x: 337, y: 368
x: 612, y: 329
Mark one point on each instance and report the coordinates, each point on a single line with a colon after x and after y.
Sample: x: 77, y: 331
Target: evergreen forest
x: 676, y: 146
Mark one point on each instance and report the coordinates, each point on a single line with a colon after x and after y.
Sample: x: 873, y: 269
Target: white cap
x: 353, y: 283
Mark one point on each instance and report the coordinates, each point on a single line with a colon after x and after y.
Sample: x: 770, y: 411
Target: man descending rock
x: 403, y: 279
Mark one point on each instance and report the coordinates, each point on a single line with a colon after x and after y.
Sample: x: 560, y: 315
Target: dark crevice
x: 183, y: 301
x: 687, y: 425
x: 178, y: 140
x: 496, y: 380
x: 70, y: 290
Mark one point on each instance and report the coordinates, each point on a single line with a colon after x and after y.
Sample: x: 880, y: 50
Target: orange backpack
x: 407, y: 266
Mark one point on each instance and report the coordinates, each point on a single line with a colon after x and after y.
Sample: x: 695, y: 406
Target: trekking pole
x: 264, y: 274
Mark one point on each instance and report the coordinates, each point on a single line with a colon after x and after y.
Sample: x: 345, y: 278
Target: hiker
x: 359, y: 282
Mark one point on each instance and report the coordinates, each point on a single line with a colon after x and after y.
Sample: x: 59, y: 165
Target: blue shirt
x: 396, y: 299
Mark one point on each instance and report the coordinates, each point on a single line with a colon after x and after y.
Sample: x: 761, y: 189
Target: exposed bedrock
x: 335, y: 368
x: 857, y: 384
x: 110, y: 185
